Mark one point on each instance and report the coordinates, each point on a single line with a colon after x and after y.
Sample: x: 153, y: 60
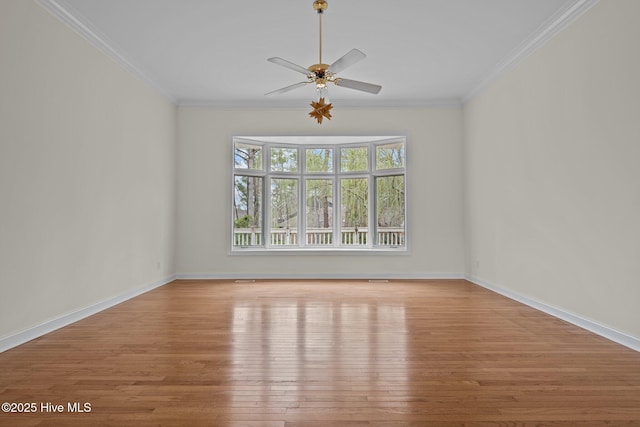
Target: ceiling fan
x: 321, y: 74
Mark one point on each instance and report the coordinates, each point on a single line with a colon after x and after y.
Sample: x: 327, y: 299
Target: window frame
x: 303, y: 143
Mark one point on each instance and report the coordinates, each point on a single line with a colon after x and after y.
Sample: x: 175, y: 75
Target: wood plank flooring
x: 322, y: 353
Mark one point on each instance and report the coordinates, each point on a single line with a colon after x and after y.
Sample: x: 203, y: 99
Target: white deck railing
x: 387, y: 236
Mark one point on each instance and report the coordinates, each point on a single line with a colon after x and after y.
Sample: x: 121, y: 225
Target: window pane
x: 319, y: 160
x: 284, y: 211
x: 319, y: 212
x: 354, y: 197
x: 247, y: 208
x: 247, y: 156
x: 390, y: 210
x: 284, y: 159
x: 354, y: 159
x: 390, y: 156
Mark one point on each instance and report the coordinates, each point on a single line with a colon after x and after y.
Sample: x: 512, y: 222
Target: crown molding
x: 552, y: 26
x: 68, y: 16
x: 558, y: 22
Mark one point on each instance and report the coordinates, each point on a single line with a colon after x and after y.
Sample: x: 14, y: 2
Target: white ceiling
x: 214, y: 52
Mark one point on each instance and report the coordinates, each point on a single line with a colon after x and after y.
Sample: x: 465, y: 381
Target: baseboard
x: 67, y: 319
x: 591, y: 326
x: 329, y: 276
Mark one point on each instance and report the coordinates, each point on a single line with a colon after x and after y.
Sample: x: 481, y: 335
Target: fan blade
x: 288, y: 64
x: 288, y: 88
x: 354, y: 84
x: 350, y: 58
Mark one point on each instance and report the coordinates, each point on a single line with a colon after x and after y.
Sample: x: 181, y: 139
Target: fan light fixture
x: 321, y: 74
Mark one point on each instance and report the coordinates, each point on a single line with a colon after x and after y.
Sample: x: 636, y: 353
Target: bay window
x: 318, y: 193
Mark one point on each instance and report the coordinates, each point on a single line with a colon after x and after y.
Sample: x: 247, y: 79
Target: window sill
x: 400, y: 250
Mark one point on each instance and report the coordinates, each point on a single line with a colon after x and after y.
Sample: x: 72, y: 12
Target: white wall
x: 87, y: 173
x: 552, y: 172
x: 434, y: 141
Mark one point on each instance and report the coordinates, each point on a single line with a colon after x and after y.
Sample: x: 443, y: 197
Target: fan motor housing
x: 318, y: 68
x: 320, y: 6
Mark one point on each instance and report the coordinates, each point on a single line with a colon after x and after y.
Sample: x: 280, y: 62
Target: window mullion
x: 266, y: 212
x: 373, y: 229
x: 337, y: 208
x: 373, y: 215
x: 302, y: 203
x: 337, y: 212
x: 337, y: 191
x: 302, y: 213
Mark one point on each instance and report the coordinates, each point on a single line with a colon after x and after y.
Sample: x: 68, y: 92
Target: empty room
x: 319, y: 213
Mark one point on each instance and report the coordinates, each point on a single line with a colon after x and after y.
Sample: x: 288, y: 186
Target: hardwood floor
x: 322, y: 353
